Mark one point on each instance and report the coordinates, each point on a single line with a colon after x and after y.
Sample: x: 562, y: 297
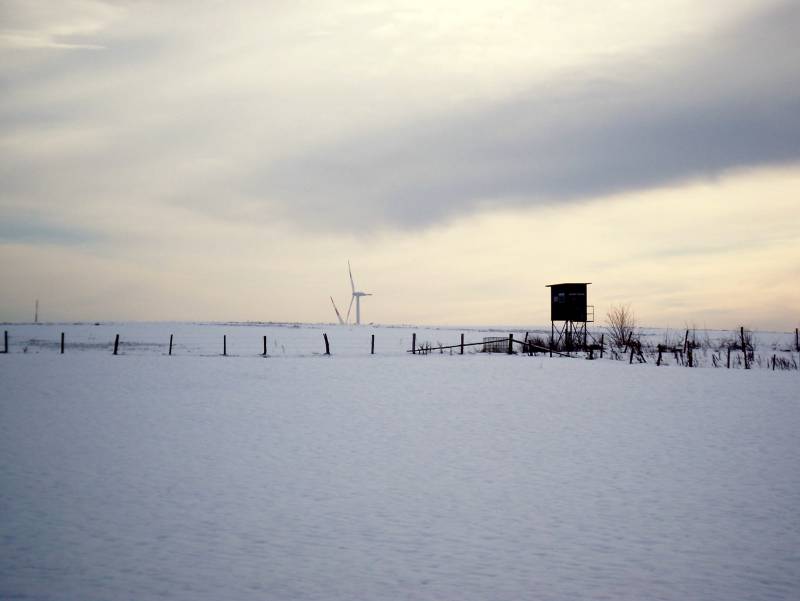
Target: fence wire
x: 235, y: 339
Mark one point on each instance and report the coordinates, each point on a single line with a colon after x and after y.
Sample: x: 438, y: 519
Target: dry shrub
x: 621, y: 324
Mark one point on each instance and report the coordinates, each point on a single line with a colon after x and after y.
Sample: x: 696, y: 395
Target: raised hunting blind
x: 569, y: 314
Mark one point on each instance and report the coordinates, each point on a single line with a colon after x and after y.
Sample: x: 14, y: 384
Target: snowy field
x: 306, y: 340
x: 392, y: 476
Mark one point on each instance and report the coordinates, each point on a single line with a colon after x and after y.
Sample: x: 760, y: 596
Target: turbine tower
x: 356, y: 297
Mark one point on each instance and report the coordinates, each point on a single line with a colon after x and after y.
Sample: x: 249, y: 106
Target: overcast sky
x: 224, y: 160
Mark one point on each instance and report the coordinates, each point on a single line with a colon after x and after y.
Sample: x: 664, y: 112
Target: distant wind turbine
x: 356, y: 297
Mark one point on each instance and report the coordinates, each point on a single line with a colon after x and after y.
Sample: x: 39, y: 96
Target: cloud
x: 27, y: 25
x: 38, y: 232
x: 729, y: 100
x: 392, y: 119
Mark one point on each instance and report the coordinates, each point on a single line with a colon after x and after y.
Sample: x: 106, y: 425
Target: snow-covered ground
x: 391, y: 476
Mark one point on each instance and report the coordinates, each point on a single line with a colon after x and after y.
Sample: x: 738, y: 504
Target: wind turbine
x: 338, y: 316
x: 356, y: 297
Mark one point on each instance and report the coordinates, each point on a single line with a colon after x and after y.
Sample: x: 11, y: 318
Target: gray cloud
x: 725, y: 102
x: 31, y: 230
x: 160, y: 118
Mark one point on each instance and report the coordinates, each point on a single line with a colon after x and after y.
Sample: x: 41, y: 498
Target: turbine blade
x: 339, y: 317
x: 352, y: 298
x: 352, y: 284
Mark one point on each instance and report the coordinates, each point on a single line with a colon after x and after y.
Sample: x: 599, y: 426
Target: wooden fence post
x: 689, y: 352
x: 170, y: 344
x: 265, y: 346
x: 631, y: 359
x: 224, y: 345
x: 116, y: 344
x: 62, y: 343
x: 744, y: 348
x: 372, y: 346
x: 511, y: 344
x: 658, y: 361
x: 729, y: 357
x: 5, y: 341
x: 773, y: 362
x: 462, y: 343
x: 414, y: 343
x: 327, y: 346
x: 602, y: 338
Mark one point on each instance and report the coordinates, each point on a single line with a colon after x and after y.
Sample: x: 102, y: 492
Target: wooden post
x: 658, y: 361
x: 744, y: 348
x: 170, y: 344
x: 602, y: 338
x: 5, y: 341
x: 414, y: 343
x: 773, y: 362
x: 511, y: 344
x: 62, y: 343
x: 462, y: 343
x: 689, y: 351
x: 631, y: 359
x: 265, y: 346
x: 372, y: 346
x: 224, y: 345
x: 116, y: 344
x: 686, y: 342
x: 729, y: 357
x: 796, y: 340
x: 327, y: 346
